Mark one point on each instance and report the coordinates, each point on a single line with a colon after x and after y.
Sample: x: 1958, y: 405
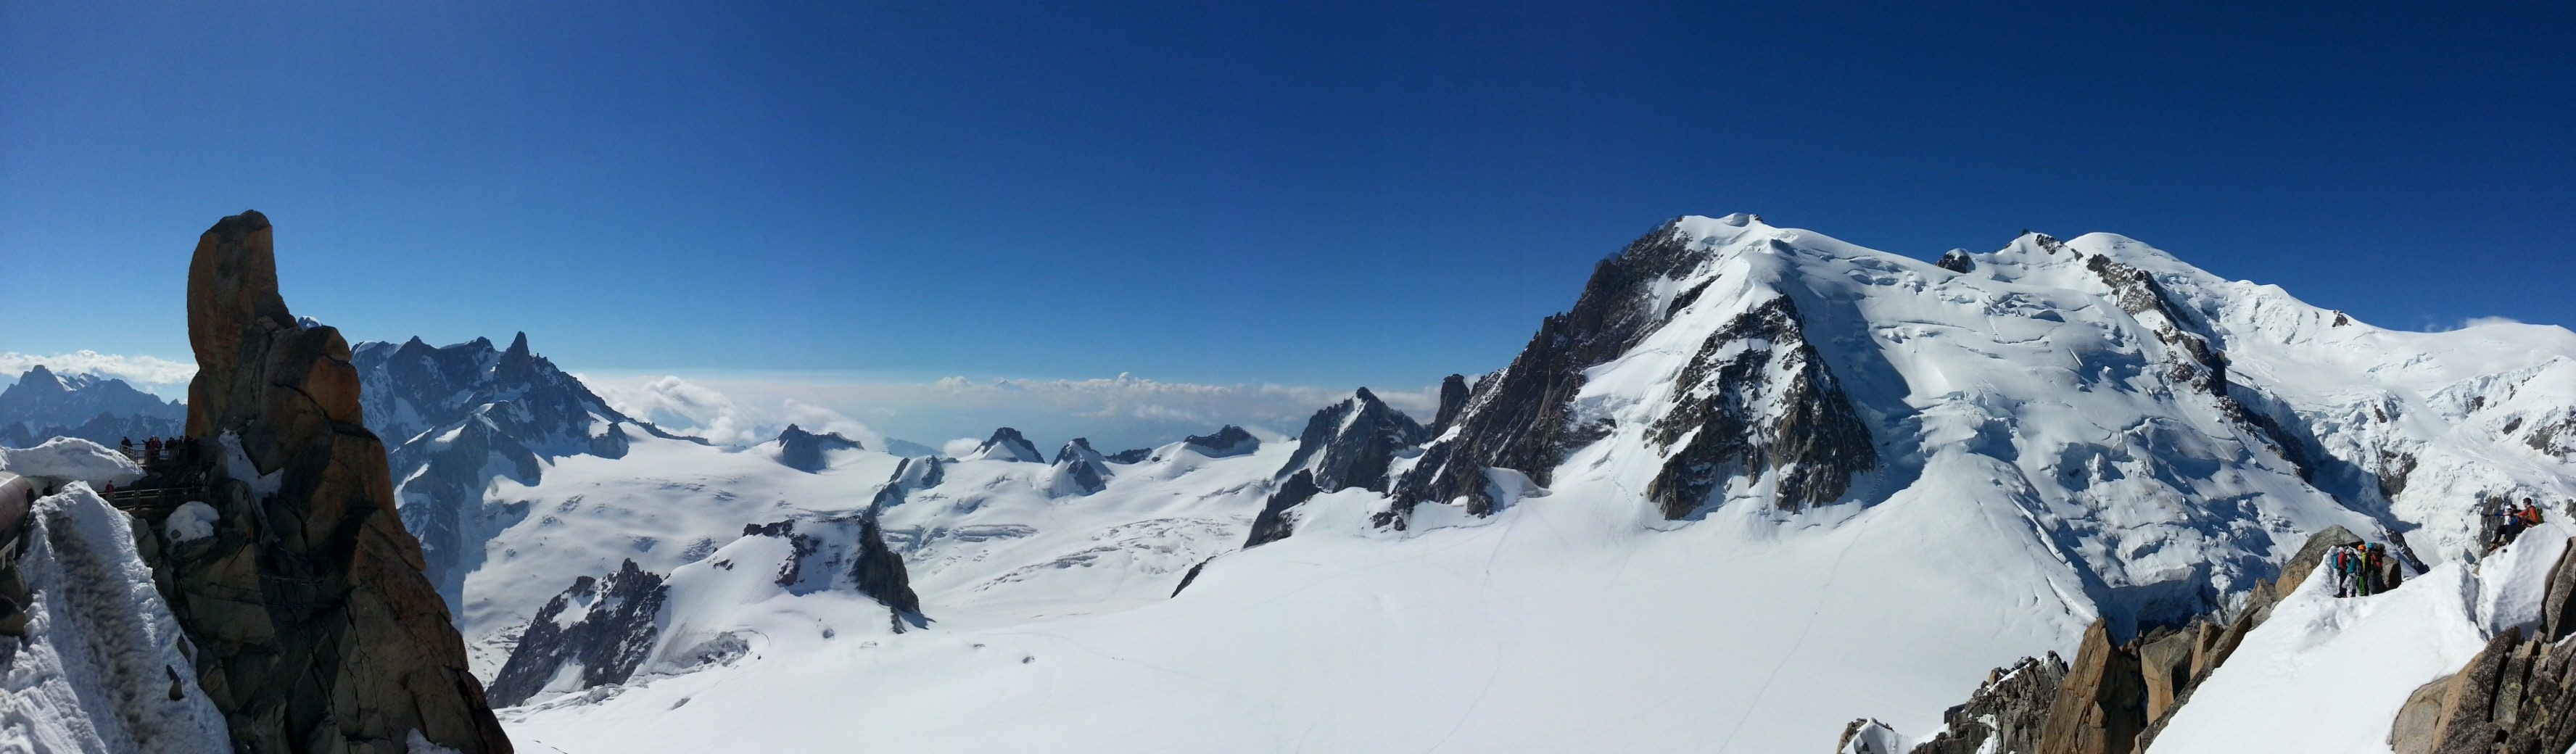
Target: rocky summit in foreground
x: 314, y: 627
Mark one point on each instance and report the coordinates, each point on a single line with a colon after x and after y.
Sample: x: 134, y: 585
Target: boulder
x: 316, y: 628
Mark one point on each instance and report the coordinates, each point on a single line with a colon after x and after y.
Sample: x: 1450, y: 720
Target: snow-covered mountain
x: 1755, y: 483
x: 43, y: 404
x: 456, y: 418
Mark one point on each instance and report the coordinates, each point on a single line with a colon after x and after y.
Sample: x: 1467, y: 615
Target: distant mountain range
x: 43, y: 404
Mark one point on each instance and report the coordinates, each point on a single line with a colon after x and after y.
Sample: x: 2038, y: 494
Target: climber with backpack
x: 2340, y: 565
x: 2373, y: 559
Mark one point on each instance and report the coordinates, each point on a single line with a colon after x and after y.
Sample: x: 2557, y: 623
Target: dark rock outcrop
x: 1816, y: 443
x: 602, y: 626
x: 1453, y: 399
x: 1191, y: 577
x: 807, y: 452
x: 2010, y: 708
x: 315, y: 628
x: 1226, y: 442
x: 1273, y: 523
x: 1132, y: 455
x: 1956, y: 260
x: 1351, y: 443
x: 1006, y: 444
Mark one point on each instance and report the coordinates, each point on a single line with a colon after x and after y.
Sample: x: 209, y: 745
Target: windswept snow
x: 101, y: 659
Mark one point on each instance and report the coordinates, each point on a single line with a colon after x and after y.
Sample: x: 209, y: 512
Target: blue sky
x: 1319, y: 195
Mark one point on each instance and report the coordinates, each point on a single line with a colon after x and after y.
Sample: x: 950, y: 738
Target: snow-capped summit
x: 1079, y: 470
x: 1006, y: 444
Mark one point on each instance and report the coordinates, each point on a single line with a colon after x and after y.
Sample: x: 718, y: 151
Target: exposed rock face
x: 317, y: 630
x: 1228, y: 441
x: 1453, y: 399
x: 603, y: 627
x: 805, y: 451
x: 1132, y: 455
x: 2164, y: 666
x: 2558, y: 606
x: 1006, y: 444
x: 1956, y: 260
x: 1350, y: 444
x: 1273, y: 523
x: 1518, y: 418
x: 2102, y: 705
x: 1079, y: 470
x: 1757, y: 399
x: 2009, y: 709
x: 43, y: 405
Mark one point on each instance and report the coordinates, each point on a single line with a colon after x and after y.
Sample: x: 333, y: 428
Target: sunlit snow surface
x: 2042, y: 466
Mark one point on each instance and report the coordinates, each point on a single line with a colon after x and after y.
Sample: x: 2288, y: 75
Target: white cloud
x: 145, y: 372
x: 959, y: 447
x: 2432, y: 325
x: 689, y: 408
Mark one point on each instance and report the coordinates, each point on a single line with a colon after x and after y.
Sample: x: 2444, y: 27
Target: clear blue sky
x: 1323, y: 194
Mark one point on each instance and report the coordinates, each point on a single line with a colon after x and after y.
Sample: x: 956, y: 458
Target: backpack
x: 2531, y: 515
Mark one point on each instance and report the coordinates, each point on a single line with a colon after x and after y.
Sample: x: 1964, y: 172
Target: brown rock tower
x: 316, y: 630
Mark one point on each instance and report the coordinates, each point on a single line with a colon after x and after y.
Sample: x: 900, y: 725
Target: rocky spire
x: 1453, y: 400
x: 315, y: 627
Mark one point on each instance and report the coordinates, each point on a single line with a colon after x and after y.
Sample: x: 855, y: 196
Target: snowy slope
x: 994, y: 538
x: 101, y: 666
x: 1756, y: 483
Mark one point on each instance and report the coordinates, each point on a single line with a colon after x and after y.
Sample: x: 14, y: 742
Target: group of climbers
x: 2361, y: 570
x: 178, y: 447
x: 2510, y: 521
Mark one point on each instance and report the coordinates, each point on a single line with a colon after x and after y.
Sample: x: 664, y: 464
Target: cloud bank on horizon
x: 1124, y: 411
x: 1114, y: 412
x: 152, y: 374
